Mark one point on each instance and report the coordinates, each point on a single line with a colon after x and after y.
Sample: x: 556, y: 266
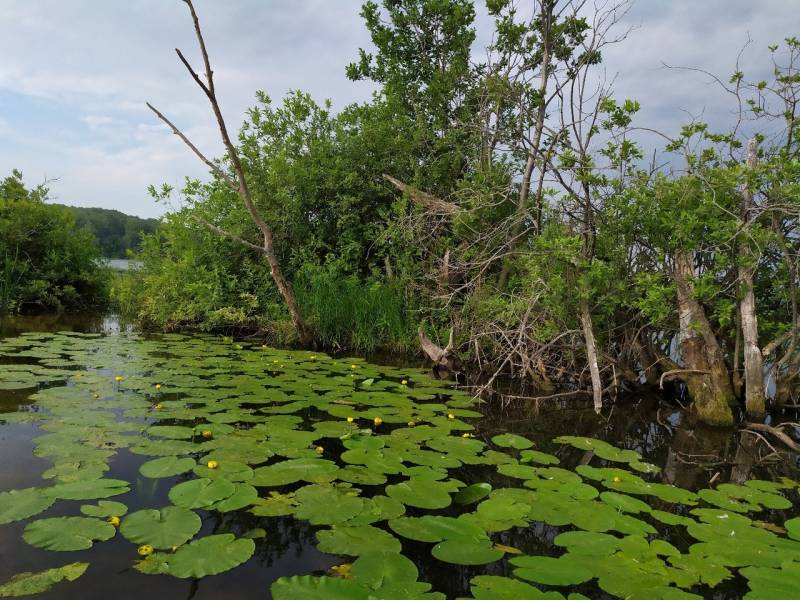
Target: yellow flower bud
x: 158, y: 407
x: 451, y: 416
x: 377, y: 421
x: 404, y: 382
x: 319, y: 449
x: 207, y: 434
x: 411, y: 423
x: 349, y: 419
x: 145, y: 550
x: 158, y: 386
x: 212, y: 464
x: 118, y: 378
x: 114, y: 521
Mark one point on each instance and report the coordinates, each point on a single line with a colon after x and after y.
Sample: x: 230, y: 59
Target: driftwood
x: 441, y: 357
x: 429, y: 202
x: 776, y: 433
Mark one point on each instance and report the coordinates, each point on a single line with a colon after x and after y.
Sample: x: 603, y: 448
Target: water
x: 692, y: 456
x: 122, y: 264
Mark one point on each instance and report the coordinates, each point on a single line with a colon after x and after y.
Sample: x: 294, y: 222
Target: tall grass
x: 351, y: 314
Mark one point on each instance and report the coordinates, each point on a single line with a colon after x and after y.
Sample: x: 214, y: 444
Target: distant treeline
x: 116, y: 232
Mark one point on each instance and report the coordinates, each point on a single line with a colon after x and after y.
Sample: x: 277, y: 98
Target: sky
x: 75, y: 76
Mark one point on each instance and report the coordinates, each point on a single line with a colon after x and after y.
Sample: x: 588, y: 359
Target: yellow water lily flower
x: 616, y: 479
x: 349, y: 419
x: 118, y: 378
x: 352, y: 366
x: 377, y: 421
x: 158, y: 407
x: 145, y: 550
x: 467, y: 435
x: 207, y: 434
x: 212, y: 464
x: 158, y: 386
x: 411, y: 423
x: 319, y: 449
x: 95, y: 396
x: 404, y: 382
x: 451, y: 416
x: 114, y: 521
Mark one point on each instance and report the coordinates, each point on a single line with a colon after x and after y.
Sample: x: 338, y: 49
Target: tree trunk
x: 753, y: 361
x: 710, y: 388
x: 591, y: 355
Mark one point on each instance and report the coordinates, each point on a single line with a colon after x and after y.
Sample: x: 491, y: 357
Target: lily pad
x: 26, y: 584
x: 161, y: 529
x: 210, y: 555
x: 67, y: 533
x: 167, y: 466
x: 16, y: 505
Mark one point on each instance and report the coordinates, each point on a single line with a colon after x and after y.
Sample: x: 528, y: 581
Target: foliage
x: 45, y: 264
x: 262, y: 459
x: 117, y: 234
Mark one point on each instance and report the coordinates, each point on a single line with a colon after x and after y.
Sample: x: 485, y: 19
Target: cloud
x: 75, y: 76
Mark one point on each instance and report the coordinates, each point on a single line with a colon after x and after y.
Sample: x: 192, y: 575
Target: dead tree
x: 753, y: 360
x: 238, y: 183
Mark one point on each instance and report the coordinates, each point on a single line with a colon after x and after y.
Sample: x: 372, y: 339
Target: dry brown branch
x: 776, y: 433
x: 674, y: 372
x: 429, y: 202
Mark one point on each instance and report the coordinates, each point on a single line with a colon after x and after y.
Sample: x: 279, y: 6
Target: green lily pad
x: 104, y: 508
x: 161, y: 529
x: 26, y: 584
x: 210, y: 555
x: 511, y: 440
x: 16, y: 505
x: 67, y: 533
x: 201, y: 493
x: 551, y: 571
x: 421, y: 494
x: 472, y: 493
x: 306, y: 587
x: 167, y: 466
x: 354, y: 541
x: 465, y: 551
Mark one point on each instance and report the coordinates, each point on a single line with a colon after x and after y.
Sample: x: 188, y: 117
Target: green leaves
x: 16, y: 505
x: 167, y: 466
x: 201, y: 493
x: 421, y: 494
x: 26, y: 584
x: 161, y: 529
x: 67, y: 533
x: 210, y: 555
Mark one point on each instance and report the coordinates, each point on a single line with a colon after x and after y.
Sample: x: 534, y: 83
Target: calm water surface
x: 692, y: 456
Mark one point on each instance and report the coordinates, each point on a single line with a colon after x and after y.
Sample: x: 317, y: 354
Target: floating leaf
x: 201, y: 493
x: 16, y: 505
x: 67, y: 533
x: 167, y: 466
x: 472, y: 493
x: 161, y: 529
x: 511, y: 440
x: 210, y: 555
x: 104, y: 508
x: 25, y: 584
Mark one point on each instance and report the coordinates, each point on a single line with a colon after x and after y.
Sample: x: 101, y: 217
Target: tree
x: 237, y: 181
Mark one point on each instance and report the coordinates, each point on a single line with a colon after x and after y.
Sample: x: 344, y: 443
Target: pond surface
x: 201, y: 467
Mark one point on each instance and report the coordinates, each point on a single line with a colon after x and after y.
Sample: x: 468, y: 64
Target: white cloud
x: 76, y: 75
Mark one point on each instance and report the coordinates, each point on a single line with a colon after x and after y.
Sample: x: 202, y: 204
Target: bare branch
x: 217, y: 171
x: 229, y: 235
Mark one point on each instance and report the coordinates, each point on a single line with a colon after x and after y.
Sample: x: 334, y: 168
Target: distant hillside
x: 115, y: 231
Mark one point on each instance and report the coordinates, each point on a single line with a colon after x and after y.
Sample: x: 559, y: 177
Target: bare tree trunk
x: 591, y: 355
x: 546, y: 18
x: 710, y: 387
x: 753, y: 361
x: 239, y: 183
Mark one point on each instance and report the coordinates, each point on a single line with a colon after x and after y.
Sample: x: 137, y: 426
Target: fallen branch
x: 776, y: 433
x: 678, y: 372
x: 430, y: 202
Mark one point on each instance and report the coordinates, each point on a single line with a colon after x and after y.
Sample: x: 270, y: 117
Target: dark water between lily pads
x: 442, y: 498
